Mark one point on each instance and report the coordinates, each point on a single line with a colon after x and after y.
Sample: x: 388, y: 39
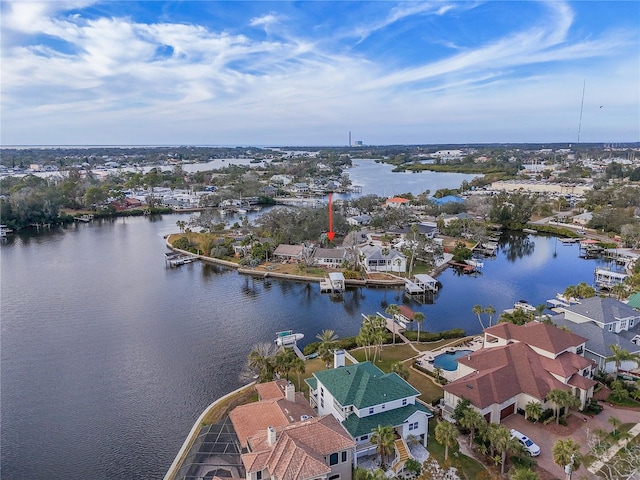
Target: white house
x: 380, y: 259
x: 362, y: 397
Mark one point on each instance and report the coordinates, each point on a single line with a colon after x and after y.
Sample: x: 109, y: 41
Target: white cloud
x: 126, y: 82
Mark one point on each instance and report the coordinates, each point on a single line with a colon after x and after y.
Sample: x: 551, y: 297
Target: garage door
x: 507, y: 411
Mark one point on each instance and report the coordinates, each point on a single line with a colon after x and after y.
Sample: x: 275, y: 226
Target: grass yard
x: 467, y: 466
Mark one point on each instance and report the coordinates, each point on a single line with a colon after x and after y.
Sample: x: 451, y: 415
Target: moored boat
x: 287, y: 338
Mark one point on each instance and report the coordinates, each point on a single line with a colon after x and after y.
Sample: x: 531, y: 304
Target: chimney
x: 338, y: 358
x: 290, y: 392
x: 271, y: 436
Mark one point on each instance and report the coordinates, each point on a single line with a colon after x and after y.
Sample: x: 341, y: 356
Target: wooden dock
x: 465, y: 267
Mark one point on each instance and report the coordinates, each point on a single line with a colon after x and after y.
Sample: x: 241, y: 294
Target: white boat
x: 474, y: 263
x: 287, y: 338
x: 242, y: 211
x: 524, y: 305
x: 4, y: 230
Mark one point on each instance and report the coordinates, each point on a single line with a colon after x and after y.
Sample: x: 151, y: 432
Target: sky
x: 81, y: 72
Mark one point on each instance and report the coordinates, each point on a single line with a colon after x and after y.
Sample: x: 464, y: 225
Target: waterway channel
x: 108, y: 356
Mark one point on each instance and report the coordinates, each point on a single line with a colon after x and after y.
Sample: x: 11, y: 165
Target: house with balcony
x: 375, y: 258
x: 519, y: 364
x: 362, y: 397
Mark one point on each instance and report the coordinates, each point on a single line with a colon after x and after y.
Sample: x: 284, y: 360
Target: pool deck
x: 426, y: 359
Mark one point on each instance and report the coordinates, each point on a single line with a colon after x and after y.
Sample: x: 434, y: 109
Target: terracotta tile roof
x: 271, y: 390
x: 300, y: 449
x: 397, y: 200
x: 501, y: 374
x: 537, y: 334
x: 255, y: 417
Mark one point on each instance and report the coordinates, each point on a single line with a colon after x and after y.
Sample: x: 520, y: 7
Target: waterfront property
x: 283, y: 438
x: 362, y: 397
x: 520, y: 364
x: 603, y: 322
x: 379, y: 259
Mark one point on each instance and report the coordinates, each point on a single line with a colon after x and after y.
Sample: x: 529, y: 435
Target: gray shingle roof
x: 604, y: 310
x: 598, y: 339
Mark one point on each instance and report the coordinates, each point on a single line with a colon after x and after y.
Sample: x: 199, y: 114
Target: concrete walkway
x: 597, y: 465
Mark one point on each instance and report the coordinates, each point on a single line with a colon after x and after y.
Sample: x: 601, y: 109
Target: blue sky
x: 308, y: 72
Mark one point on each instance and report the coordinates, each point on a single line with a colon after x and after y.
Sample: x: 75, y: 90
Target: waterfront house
x: 380, y: 259
x: 329, y: 257
x: 282, y: 438
x: 520, y: 364
x: 604, y: 322
x: 362, y: 397
x: 286, y: 252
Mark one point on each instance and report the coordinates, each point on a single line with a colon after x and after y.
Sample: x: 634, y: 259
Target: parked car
x: 529, y: 445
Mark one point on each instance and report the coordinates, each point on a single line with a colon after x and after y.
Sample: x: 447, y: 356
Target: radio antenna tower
x: 584, y: 84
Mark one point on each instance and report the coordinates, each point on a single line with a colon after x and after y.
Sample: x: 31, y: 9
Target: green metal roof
x: 312, y: 382
x: 364, y: 385
x: 634, y: 300
x: 363, y: 426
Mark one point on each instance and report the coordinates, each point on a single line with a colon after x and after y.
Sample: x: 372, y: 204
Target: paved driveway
x: 578, y: 425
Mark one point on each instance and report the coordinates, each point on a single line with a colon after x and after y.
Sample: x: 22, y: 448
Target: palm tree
x: 621, y: 355
x: 261, y: 361
x: 567, y: 453
x: 383, y: 439
x: 393, y: 310
x: 401, y: 370
x: 557, y: 396
x: 502, y: 441
x: 284, y: 362
x: 539, y: 310
x: 438, y: 372
x: 523, y: 473
x: 447, y: 435
x: 615, y: 423
x: 533, y: 410
x: 472, y: 421
x: 298, y: 367
x: 327, y: 346
x: 418, y: 317
x: 477, y: 309
x: 491, y: 312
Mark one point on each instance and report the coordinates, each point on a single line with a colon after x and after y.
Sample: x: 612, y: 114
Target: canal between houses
x: 108, y: 357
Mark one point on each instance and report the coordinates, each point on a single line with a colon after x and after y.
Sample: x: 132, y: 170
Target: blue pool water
x: 449, y: 361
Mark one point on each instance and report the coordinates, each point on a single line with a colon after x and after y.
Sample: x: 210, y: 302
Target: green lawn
x: 467, y: 466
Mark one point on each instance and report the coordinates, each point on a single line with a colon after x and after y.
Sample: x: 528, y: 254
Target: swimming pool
x: 449, y: 361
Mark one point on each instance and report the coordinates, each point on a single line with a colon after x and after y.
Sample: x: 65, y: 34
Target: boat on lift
x: 287, y: 338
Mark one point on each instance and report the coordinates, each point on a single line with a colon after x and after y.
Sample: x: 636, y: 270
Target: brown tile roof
x: 271, y: 390
x: 252, y: 418
x: 501, y: 374
x: 300, y: 449
x: 537, y: 334
x: 581, y: 382
x: 566, y: 364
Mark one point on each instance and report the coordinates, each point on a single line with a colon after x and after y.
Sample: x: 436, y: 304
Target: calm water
x: 108, y: 357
